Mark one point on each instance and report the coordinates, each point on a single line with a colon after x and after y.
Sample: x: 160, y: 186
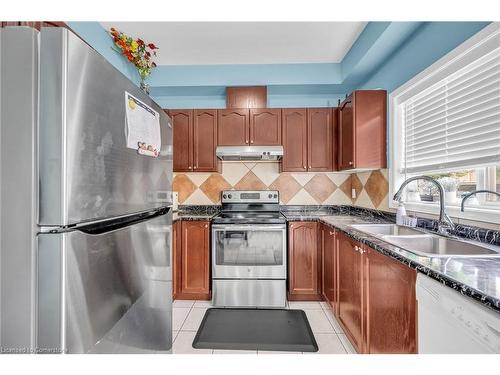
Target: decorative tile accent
x: 267, y: 172
x: 320, y: 187
x: 250, y: 182
x: 345, y: 187
x: 184, y: 186
x: 233, y: 172
x: 198, y: 198
x: 338, y: 178
x: 287, y: 186
x: 303, y: 178
x: 213, y: 186
x: 363, y: 200
x: 377, y: 187
x: 302, y: 197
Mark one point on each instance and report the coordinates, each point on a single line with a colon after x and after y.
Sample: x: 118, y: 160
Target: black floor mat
x: 255, y: 329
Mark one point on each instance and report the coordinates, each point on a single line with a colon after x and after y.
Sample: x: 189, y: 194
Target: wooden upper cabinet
x: 195, y: 260
x: 329, y: 258
x: 233, y: 127
x: 350, y: 309
x: 304, y: 261
x: 204, y: 140
x: 362, y: 130
x: 182, y: 127
x: 246, y: 97
x: 194, y: 140
x: 265, y: 127
x: 319, y: 140
x: 390, y: 307
x: 294, y: 137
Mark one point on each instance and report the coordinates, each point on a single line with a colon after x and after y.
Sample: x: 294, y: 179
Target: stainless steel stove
x: 249, y: 251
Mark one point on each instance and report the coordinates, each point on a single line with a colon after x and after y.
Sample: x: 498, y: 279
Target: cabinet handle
x: 350, y: 163
x: 195, y: 167
x: 310, y: 167
x: 206, y: 225
x: 331, y: 233
x: 251, y: 141
x: 356, y: 248
x: 189, y: 167
x: 305, y: 167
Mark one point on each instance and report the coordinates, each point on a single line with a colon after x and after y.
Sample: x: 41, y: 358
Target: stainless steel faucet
x: 467, y: 196
x: 444, y: 223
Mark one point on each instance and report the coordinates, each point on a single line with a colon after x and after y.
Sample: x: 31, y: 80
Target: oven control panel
x: 250, y: 196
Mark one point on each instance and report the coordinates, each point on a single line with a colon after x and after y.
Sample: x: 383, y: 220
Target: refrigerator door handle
x: 105, y: 226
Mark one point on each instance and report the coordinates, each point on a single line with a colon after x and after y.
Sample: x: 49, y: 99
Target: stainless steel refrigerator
x: 85, y: 222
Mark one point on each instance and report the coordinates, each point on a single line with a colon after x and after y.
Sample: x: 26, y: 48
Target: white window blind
x: 455, y: 122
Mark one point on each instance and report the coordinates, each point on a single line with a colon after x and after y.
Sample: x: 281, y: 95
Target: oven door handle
x: 248, y: 228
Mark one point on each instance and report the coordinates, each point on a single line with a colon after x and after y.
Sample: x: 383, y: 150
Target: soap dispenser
x: 400, y: 214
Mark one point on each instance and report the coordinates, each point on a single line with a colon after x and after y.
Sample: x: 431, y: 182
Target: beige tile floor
x: 187, y: 316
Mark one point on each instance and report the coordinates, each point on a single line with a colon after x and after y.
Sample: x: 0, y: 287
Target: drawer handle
x: 350, y: 163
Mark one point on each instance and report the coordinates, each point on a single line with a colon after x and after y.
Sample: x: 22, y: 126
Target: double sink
x: 426, y: 244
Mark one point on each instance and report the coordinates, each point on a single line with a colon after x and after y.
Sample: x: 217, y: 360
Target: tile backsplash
x: 295, y: 188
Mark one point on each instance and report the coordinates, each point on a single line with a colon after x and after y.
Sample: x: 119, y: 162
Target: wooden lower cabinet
x: 304, y: 262
x: 350, y: 311
x: 329, y: 261
x: 391, y: 310
x: 376, y: 299
x: 191, y: 264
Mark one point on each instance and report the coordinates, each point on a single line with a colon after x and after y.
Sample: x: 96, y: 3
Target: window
x: 445, y: 123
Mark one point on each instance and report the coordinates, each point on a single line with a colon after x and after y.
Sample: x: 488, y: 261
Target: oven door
x: 249, y: 251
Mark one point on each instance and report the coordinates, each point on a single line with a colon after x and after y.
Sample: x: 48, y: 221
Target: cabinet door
x: 204, y: 140
x: 335, y: 139
x: 346, y: 135
x: 350, y: 311
x: 233, y: 127
x: 390, y: 305
x: 182, y: 127
x: 294, y: 130
x: 319, y: 139
x: 303, y: 261
x: 176, y: 258
x: 328, y: 261
x: 370, y: 122
x: 195, y: 260
x: 265, y: 127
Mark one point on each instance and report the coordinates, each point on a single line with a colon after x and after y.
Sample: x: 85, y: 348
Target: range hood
x: 244, y: 153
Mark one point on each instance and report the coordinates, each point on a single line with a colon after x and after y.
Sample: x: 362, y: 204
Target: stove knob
x: 229, y: 196
x: 224, y: 196
x: 270, y: 196
x: 275, y: 195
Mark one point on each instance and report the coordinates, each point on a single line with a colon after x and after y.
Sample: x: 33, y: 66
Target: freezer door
x: 108, y: 292
x: 86, y: 171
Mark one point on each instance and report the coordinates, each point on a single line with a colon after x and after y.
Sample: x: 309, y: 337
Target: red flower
x: 148, y: 54
x: 140, y: 42
x: 152, y: 46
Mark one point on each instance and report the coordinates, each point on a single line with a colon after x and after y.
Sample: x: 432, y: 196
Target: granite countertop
x: 477, y: 278
x: 189, y: 216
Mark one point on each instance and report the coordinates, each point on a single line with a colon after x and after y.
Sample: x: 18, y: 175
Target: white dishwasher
x: 450, y: 323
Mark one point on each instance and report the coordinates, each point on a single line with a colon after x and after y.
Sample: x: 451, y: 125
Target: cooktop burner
x: 250, y: 207
x: 249, y: 217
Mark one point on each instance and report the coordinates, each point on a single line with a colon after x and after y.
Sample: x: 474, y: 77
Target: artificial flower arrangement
x: 136, y: 51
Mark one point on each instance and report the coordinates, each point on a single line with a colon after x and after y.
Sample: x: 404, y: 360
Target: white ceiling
x: 199, y: 43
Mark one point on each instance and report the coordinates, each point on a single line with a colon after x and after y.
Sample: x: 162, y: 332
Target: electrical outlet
x: 353, y: 193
